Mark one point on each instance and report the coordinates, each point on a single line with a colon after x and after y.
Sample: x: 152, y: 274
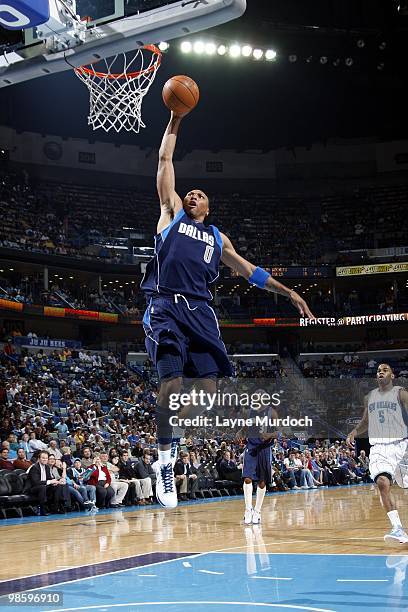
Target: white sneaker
x: 248, y: 517
x: 295, y: 488
x: 304, y: 487
x: 256, y: 517
x: 166, y: 491
x: 396, y: 535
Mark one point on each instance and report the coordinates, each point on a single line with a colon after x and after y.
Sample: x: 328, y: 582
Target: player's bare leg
x: 397, y: 533
x: 260, y: 494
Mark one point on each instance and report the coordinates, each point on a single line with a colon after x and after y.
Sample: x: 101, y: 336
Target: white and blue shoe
x: 166, y: 491
x: 396, y: 535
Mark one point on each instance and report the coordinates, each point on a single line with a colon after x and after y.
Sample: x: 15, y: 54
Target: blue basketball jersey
x: 186, y: 260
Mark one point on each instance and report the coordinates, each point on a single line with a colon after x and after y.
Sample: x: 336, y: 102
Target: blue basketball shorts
x: 183, y: 339
x: 259, y: 467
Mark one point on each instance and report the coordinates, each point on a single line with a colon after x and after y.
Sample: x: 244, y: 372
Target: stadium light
x: 222, y: 49
x: 349, y: 61
x: 270, y: 55
x: 210, y: 48
x: 323, y: 60
x: 257, y: 54
x: 246, y: 51
x: 186, y: 46
x: 361, y: 43
x: 199, y: 47
x: 382, y: 46
x: 235, y: 50
x: 292, y: 58
x: 163, y: 46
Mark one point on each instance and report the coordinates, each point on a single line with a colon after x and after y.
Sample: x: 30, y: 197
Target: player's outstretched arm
x: 361, y: 427
x: 260, y: 278
x: 170, y: 202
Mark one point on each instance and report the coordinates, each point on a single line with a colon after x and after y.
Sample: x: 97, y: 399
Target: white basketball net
x: 117, y: 89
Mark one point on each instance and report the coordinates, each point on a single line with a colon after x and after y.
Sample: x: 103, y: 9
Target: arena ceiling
x: 249, y: 104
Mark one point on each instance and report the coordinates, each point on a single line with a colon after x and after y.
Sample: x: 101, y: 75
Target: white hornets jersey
x: 387, y: 419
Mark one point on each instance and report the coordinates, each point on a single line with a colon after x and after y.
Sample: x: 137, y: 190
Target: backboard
x: 82, y: 31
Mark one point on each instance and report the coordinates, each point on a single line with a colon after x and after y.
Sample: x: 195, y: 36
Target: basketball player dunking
x: 385, y: 417
x: 182, y: 333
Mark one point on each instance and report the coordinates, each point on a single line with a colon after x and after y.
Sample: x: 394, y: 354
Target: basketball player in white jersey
x: 386, y: 418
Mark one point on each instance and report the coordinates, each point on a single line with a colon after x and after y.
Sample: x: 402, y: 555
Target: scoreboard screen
x: 293, y: 272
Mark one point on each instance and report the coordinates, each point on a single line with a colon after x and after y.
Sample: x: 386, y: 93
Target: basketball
x: 181, y: 94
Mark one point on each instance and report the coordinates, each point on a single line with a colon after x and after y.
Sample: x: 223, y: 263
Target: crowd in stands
x: 127, y: 300
x: 87, y: 222
x: 349, y: 365
x: 28, y: 289
x: 80, y: 424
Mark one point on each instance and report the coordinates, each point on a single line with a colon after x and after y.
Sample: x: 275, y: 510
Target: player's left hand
x: 301, y: 305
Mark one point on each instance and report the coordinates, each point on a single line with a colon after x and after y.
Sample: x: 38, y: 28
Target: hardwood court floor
x: 344, y: 520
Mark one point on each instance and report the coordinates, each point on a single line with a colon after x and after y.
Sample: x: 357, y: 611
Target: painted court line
x: 362, y: 580
x: 210, y: 572
x: 90, y: 572
x: 147, y: 575
x: 269, y: 578
x: 137, y: 604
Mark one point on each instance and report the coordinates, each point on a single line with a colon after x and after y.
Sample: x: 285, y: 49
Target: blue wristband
x: 259, y: 277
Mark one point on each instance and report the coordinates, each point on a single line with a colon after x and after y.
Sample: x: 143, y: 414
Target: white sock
x: 248, y: 495
x: 165, y: 456
x: 260, y: 494
x: 394, y: 518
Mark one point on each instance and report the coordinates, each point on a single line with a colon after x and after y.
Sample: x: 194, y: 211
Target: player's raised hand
x: 300, y: 304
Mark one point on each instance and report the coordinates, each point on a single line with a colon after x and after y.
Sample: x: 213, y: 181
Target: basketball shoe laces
x: 167, y: 477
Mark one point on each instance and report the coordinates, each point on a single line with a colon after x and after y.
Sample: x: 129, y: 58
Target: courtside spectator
x: 119, y: 486
x: 128, y: 474
x: 5, y: 463
x: 186, y: 477
x: 21, y: 463
x: 146, y: 475
x: 101, y: 479
x: 228, y: 469
x: 43, y: 485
